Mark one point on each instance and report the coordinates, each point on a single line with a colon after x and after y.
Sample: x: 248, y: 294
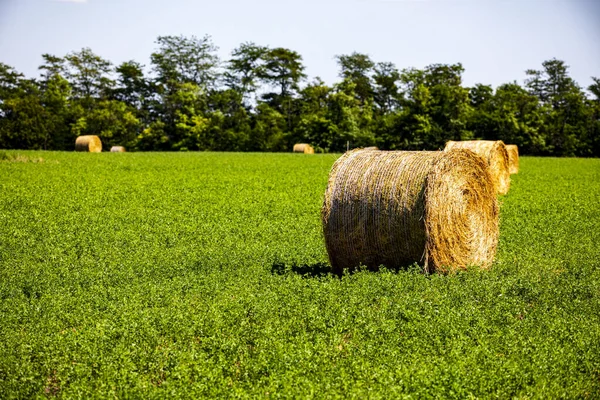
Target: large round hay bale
x: 117, y: 149
x: 303, y: 148
x: 494, y: 152
x: 513, y: 158
x: 89, y: 143
x: 394, y: 208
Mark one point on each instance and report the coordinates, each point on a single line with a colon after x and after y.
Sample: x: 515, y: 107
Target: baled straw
x: 117, y: 149
x: 303, y: 148
x: 89, y: 143
x: 494, y: 152
x: 513, y: 158
x: 394, y: 208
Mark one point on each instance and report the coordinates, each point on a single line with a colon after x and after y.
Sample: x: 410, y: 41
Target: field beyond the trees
x: 153, y: 275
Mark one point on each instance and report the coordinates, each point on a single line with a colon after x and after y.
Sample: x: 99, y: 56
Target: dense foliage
x: 261, y: 100
x: 204, y: 275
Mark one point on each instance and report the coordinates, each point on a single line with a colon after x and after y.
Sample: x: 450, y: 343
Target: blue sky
x: 495, y: 40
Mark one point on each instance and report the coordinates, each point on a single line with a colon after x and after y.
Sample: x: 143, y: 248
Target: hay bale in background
x: 89, y: 143
x: 303, y: 148
x: 371, y: 148
x: 494, y: 152
x: 513, y: 158
x: 117, y: 149
x: 394, y: 208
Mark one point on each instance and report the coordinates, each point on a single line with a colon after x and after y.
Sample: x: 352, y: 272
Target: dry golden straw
x: 513, y: 158
x: 117, y: 149
x: 494, y: 152
x: 394, y: 208
x: 303, y: 148
x: 89, y: 143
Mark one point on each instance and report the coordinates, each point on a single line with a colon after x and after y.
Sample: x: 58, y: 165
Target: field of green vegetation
x: 205, y: 274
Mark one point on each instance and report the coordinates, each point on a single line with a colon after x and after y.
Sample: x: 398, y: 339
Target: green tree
x: 52, y: 66
x: 594, y: 130
x: 481, y: 121
x: 518, y: 118
x: 180, y: 59
x: 245, y: 68
x: 352, y: 121
x: 230, y: 125
x: 153, y: 137
x: 268, y: 130
x: 23, y: 118
x: 186, y: 69
x: 386, y: 94
x: 409, y: 128
x: 55, y: 98
x: 314, y: 125
x: 89, y: 76
x: 435, y: 108
x: 114, y: 122
x: 357, y: 69
x: 10, y: 81
x: 283, y: 69
x: 565, y: 118
x: 191, y: 125
x: 450, y: 106
x: 132, y: 88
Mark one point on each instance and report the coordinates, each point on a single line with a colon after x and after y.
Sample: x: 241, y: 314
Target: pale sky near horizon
x: 495, y: 40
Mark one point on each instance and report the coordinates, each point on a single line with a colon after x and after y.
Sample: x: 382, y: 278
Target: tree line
x: 261, y: 100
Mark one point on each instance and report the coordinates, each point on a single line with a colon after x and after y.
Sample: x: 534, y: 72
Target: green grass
x: 204, y: 274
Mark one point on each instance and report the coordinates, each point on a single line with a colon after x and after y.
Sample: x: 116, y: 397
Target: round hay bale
x: 513, y: 158
x: 303, y: 148
x: 89, y: 143
x: 394, y: 208
x: 494, y: 152
x: 117, y: 149
x: 371, y: 148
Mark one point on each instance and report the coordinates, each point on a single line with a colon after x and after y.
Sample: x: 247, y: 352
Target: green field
x: 205, y: 275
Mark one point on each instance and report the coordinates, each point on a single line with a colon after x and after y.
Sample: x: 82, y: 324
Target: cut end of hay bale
x: 395, y: 208
x: 303, y: 148
x: 117, y: 149
x: 513, y: 158
x: 88, y: 143
x: 462, y: 213
x: 494, y: 153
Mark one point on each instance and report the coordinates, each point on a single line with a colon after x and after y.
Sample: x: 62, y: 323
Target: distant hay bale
x: 494, y: 152
x: 371, y: 148
x: 117, y: 149
x: 89, y: 143
x: 394, y: 208
x: 303, y: 148
x: 513, y: 158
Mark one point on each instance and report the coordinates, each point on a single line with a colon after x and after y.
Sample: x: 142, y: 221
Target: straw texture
x: 494, y: 152
x: 89, y: 143
x: 513, y: 158
x: 303, y: 148
x: 395, y: 208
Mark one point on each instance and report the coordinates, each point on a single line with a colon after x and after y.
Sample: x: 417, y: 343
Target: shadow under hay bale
x: 494, y: 153
x: 395, y: 208
x: 303, y: 148
x: 88, y: 143
x: 117, y: 149
x: 513, y: 158
x: 316, y: 270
